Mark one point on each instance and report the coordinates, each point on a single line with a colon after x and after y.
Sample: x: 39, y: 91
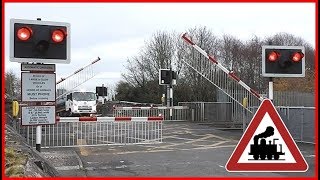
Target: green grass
x: 15, y: 162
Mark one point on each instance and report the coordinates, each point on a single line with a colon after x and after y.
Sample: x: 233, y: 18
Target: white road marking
x: 67, y: 168
x: 311, y: 156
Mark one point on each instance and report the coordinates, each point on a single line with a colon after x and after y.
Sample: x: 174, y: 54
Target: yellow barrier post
x: 245, y: 105
x: 245, y: 102
x: 163, y: 99
x: 15, y: 109
x: 15, y: 112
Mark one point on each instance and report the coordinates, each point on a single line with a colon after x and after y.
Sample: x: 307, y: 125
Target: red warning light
x: 24, y: 33
x: 58, y: 35
x: 297, y: 56
x: 273, y: 56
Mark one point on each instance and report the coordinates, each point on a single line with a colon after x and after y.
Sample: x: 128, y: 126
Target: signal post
x: 38, y: 46
x: 282, y: 61
x: 168, y: 78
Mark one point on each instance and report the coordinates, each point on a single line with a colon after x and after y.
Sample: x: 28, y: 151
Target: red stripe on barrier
x: 212, y: 59
x: 255, y: 93
x: 155, y: 118
x: 234, y: 76
x: 122, y: 119
x: 186, y: 39
x: 57, y: 118
x: 87, y: 118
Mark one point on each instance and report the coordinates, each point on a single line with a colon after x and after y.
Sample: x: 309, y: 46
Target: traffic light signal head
x: 283, y: 61
x: 101, y: 91
x: 167, y: 76
x: 164, y: 76
x: 39, y: 41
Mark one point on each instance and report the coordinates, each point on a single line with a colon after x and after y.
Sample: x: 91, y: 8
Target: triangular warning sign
x: 266, y: 145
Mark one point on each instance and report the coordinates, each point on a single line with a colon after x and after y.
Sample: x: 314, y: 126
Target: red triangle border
x: 266, y: 107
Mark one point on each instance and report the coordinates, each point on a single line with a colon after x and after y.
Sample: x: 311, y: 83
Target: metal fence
x: 179, y: 113
x: 280, y: 98
x: 292, y: 98
x: 300, y: 122
x: 69, y: 133
x: 220, y: 114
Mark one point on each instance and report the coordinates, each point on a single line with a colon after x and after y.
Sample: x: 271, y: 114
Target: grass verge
x: 15, y: 162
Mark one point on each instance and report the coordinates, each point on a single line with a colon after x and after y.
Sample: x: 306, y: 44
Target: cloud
x: 108, y: 75
x: 113, y: 58
x: 116, y: 31
x: 112, y: 51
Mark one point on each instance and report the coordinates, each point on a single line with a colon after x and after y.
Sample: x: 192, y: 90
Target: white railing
x: 87, y: 131
x: 179, y: 113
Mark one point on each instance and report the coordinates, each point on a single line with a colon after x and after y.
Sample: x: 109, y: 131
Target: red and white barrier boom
x: 230, y: 73
x: 109, y: 119
x: 77, y: 71
x: 77, y: 78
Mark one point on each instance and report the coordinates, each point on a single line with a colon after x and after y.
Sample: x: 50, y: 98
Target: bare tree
x: 13, y: 85
x: 158, y: 53
x: 143, y: 69
x: 230, y: 52
x: 201, y: 89
x: 251, y: 68
x: 165, y: 50
x: 136, y: 71
x: 284, y: 39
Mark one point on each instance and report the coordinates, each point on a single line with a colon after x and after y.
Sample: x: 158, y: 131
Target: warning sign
x: 38, y: 87
x: 38, y: 115
x: 266, y: 145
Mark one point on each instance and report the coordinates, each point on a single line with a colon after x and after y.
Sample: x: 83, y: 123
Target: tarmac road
x: 188, y: 149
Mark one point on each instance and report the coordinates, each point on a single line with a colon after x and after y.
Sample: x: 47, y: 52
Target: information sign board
x: 38, y: 115
x: 38, y: 87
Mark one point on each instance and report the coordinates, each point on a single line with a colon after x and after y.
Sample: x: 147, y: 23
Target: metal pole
x: 168, y: 95
x: 164, y: 91
x: 103, y: 94
x: 171, y: 93
x: 163, y: 99
x: 38, y: 138
x: 302, y: 122
x: 271, y: 89
x: 38, y: 130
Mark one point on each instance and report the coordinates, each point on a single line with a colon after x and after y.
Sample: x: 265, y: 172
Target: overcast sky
x: 116, y: 31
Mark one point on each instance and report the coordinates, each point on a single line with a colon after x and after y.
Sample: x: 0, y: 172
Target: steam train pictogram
x: 264, y: 150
